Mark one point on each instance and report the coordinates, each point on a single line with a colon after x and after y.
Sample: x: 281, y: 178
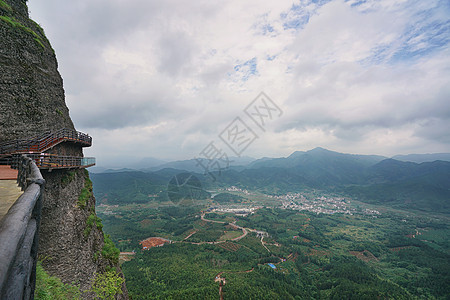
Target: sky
x: 178, y: 79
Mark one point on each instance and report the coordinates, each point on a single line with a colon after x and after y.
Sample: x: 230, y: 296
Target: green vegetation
x: 11, y: 21
x: 188, y: 271
x: 85, y: 194
x: 38, y: 26
x: 5, y: 6
x: 372, y: 180
x: 92, y: 221
x: 108, y: 284
x: 16, y: 24
x: 109, y: 250
x: 129, y: 187
x: 59, y: 112
x: 105, y: 286
x: 67, y: 178
x: 97, y: 255
x: 140, y: 188
x: 225, y: 198
x: 373, y: 251
x: 316, y: 256
x: 50, y: 287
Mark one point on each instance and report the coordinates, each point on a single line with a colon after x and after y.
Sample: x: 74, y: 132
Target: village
x: 324, y: 204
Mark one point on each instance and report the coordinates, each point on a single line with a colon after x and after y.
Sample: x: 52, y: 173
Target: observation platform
x: 35, y: 148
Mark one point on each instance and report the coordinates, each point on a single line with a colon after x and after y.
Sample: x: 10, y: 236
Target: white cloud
x: 167, y: 76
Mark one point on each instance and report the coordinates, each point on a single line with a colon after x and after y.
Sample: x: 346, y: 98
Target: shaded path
x: 9, y: 193
x: 9, y: 190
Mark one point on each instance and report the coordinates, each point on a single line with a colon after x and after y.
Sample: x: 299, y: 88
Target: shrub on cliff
x: 51, y: 287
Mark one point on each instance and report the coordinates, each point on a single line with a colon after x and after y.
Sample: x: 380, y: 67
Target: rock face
x: 31, y: 89
x: 71, y: 238
x: 72, y: 245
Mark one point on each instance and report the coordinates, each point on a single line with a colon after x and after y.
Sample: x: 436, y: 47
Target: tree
x: 107, y: 285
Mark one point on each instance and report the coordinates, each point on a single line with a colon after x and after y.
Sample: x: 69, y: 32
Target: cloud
x: 168, y: 76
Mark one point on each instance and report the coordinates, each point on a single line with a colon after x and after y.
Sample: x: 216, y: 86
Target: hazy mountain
x: 368, y: 178
x: 419, y: 158
x: 192, y: 165
x: 128, y: 187
x: 116, y: 170
x: 424, y: 186
x: 320, y: 167
x: 317, y: 156
x: 96, y: 169
x: 137, y: 187
x: 149, y: 162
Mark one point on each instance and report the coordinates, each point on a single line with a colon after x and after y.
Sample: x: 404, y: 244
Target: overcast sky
x: 165, y: 78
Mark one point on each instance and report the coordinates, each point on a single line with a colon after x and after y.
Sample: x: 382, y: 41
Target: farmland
x: 395, y: 254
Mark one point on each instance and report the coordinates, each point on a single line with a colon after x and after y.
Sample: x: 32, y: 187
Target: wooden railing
x: 19, y: 235
x: 34, y: 148
x: 45, y: 142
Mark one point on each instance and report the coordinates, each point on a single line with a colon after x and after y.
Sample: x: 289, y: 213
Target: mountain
x: 317, y: 156
x: 420, y: 158
x: 373, y: 179
x: 147, y: 162
x: 321, y: 166
x: 424, y: 186
x: 368, y: 178
x: 116, y: 170
x: 192, y: 165
x: 141, y: 187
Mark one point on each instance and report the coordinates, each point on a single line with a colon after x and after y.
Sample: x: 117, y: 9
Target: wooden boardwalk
x: 35, y: 149
x: 45, y: 142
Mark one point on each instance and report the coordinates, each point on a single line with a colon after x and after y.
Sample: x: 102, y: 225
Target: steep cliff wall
x: 72, y: 244
x: 32, y: 95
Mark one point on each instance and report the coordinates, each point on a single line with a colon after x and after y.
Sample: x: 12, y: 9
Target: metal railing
x: 52, y: 161
x: 19, y: 235
x: 45, y: 142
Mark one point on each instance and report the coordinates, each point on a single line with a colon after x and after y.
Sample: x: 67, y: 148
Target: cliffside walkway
x: 35, y: 149
x: 46, y: 141
x: 20, y: 212
x: 50, y: 161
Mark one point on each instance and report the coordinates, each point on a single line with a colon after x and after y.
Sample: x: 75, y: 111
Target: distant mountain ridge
x: 299, y: 158
x: 420, y: 158
x: 368, y: 178
x: 192, y: 165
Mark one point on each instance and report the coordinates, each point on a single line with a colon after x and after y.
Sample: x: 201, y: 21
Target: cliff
x: 72, y: 245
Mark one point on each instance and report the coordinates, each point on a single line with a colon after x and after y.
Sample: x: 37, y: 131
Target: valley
x: 396, y: 254
x: 317, y: 224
